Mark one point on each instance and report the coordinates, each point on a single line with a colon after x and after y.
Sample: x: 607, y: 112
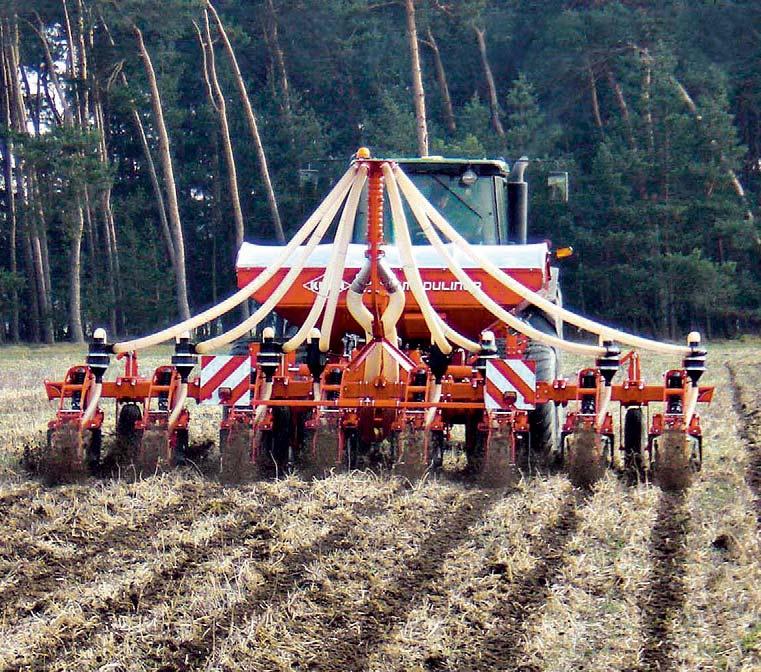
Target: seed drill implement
x: 427, y: 328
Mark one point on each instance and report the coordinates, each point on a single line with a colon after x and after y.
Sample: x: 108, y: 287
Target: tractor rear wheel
x: 544, y: 420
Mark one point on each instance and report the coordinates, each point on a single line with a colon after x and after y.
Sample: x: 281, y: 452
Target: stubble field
x: 360, y: 572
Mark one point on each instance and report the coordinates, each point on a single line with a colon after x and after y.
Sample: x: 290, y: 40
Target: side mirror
x: 558, y: 183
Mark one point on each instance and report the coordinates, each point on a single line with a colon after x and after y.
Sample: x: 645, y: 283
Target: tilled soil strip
x: 665, y: 594
x: 749, y: 417
x: 99, y: 611
x: 19, y: 493
x: 33, y: 586
x: 505, y: 642
x: 372, y: 619
x: 170, y: 653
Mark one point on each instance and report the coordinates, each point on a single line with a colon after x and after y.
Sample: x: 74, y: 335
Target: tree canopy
x: 653, y: 108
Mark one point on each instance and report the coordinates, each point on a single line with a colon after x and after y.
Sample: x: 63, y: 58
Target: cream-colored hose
x: 605, y: 396
x: 608, y: 333
x: 330, y: 287
x: 415, y: 201
x: 411, y: 272
x: 390, y: 319
x: 434, y: 397
x: 337, y: 194
x: 179, y: 404
x: 458, y: 339
x: 266, y: 394
x: 92, y: 405
x: 266, y: 308
x: 360, y: 312
x: 692, y: 401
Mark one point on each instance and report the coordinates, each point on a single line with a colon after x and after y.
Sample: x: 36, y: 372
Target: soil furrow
x: 665, y: 594
x: 41, y: 579
x: 523, y: 599
x: 375, y: 617
x: 292, y: 572
x: 750, y: 432
x: 98, y: 612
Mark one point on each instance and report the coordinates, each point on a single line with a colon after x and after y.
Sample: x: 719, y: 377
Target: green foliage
x: 663, y: 242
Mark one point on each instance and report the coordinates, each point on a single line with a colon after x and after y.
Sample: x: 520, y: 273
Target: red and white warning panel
x: 510, y: 383
x: 226, y: 379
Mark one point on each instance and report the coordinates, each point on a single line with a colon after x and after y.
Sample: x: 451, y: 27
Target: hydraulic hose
x: 334, y: 272
x: 92, y: 405
x: 416, y: 202
x: 337, y: 194
x: 266, y: 308
x: 411, y: 272
x: 605, y: 332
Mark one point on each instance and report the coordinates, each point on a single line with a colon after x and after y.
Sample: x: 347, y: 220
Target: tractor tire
x: 634, y: 441
x: 544, y: 420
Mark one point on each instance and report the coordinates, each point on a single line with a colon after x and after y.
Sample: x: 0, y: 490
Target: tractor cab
x: 472, y: 195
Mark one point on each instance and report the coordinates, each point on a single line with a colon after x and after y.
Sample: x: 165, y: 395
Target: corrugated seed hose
x: 535, y: 299
x: 411, y: 271
x: 92, y: 405
x: 266, y: 308
x: 179, y: 403
x: 336, y: 195
x: 417, y: 205
x: 330, y: 287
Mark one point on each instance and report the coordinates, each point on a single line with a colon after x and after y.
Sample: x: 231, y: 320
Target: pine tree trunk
x: 227, y: 146
x: 595, y: 101
x: 76, y: 334
x: 253, y: 127
x: 153, y: 175
x: 490, y: 84
x: 10, y: 200
x: 273, y: 42
x: 169, y: 182
x: 441, y: 78
x: 418, y: 92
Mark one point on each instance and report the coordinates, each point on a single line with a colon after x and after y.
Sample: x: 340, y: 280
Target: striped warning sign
x: 226, y: 372
x: 508, y: 378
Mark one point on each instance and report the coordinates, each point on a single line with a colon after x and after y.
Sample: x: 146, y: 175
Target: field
x: 359, y: 572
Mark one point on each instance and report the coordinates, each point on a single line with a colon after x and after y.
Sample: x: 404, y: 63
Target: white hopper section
x: 523, y: 257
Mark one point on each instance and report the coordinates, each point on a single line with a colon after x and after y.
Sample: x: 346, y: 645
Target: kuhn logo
x: 315, y: 285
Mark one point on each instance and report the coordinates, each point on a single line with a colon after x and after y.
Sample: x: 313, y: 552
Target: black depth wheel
x: 634, y: 439
x: 127, y: 435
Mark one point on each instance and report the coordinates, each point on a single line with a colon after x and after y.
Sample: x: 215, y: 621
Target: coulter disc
x: 155, y: 451
x: 235, y: 462
x: 586, y: 458
x: 319, y: 450
x: 672, y: 465
x: 497, y: 468
x: 411, y: 456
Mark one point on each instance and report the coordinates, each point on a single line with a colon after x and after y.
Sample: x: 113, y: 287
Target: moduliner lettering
x: 316, y: 285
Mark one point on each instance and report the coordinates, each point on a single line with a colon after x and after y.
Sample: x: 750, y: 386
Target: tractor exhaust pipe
x: 517, y: 203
